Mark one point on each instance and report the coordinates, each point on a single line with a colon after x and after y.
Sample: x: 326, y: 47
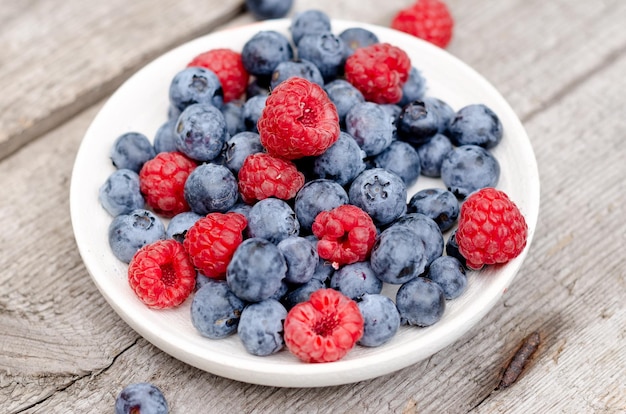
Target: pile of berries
x: 284, y: 170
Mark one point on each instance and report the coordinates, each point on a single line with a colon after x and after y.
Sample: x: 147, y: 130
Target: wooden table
x: 560, y: 64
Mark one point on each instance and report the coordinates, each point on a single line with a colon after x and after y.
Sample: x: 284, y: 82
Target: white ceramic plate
x: 141, y: 105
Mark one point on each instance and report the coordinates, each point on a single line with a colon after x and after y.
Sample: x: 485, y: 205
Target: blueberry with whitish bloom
x: 301, y: 68
x: 179, y: 225
x: 452, y: 249
x: 420, y: 302
x: 342, y: 162
x: 468, y: 168
x: 195, y: 85
x: 165, y: 137
x: 272, y: 219
x: 130, y: 232
x: 201, y: 132
x: 141, y: 397
x: 317, y: 196
x: 301, y: 257
x: 241, y: 208
x: 355, y: 280
x: 233, y: 115
x: 269, y: 9
x: 450, y: 275
x: 371, y: 126
x: 302, y: 293
x: 309, y: 22
x: 324, y: 50
x: 427, y: 231
x: 260, y: 327
x: 381, y: 320
x: 380, y: 193
x: 256, y: 270
x: 215, y: 310
x: 444, y: 111
x: 432, y: 154
x: 402, y: 159
x: 131, y: 150
x: 414, y: 87
x: 476, y: 124
x: 438, y: 204
x: 398, y: 255
x: 238, y: 147
x: 344, y: 95
x: 417, y: 123
x: 251, y: 112
x: 211, y: 187
x: 356, y: 37
x: 120, y: 193
x: 264, y: 51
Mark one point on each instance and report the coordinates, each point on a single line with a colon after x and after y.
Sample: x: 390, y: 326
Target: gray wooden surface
x: 560, y: 64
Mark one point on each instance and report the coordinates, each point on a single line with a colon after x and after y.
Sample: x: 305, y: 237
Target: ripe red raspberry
x: 427, y: 19
x: 491, y: 229
x: 298, y: 120
x: 324, y: 328
x: 162, y: 182
x: 262, y: 176
x: 161, y: 274
x: 346, y: 234
x: 228, y: 67
x: 212, y: 241
x: 379, y: 71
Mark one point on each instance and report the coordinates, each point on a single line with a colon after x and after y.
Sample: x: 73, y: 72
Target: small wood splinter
x: 523, y: 354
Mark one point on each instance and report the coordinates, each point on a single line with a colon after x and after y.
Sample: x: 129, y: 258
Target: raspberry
x: 212, y: 241
x: 429, y: 20
x: 262, y: 176
x: 228, y: 67
x: 161, y: 274
x: 346, y: 234
x: 379, y: 71
x: 324, y: 328
x: 491, y: 229
x: 298, y: 120
x: 162, y: 182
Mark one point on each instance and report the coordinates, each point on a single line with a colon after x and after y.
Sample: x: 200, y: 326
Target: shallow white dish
x: 141, y: 105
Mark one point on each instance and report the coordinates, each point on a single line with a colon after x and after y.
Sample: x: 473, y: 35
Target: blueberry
x: 417, y: 122
x: 251, y: 112
x: 380, y: 193
x: 195, y: 85
x: 238, y: 147
x: 261, y: 327
x: 432, y: 154
x: 131, y: 150
x: 264, y: 51
x: 381, y: 320
x: 241, y: 208
x: 427, y: 230
x: 324, y: 269
x: 302, y: 293
x: 317, y: 196
x: 421, y: 302
x: 165, y: 137
x: 215, y: 310
x: 371, y: 126
x: 325, y: 50
x: 452, y: 249
x: 398, y: 255
x: 201, y: 280
x: 414, y: 88
x: 269, y: 9
x: 445, y: 113
x: 402, y: 159
x: 201, y: 132
x: 344, y: 95
x: 468, y: 168
x: 301, y: 257
x: 210, y: 188
x: 355, y: 280
x: 356, y: 37
x: 301, y: 68
x: 141, y: 397
x: 438, y: 204
x: 130, y: 232
x: 272, y: 219
x: 449, y: 274
x: 281, y: 292
x: 120, y: 193
x: 256, y: 270
x: 259, y: 85
x: 476, y: 125
x: 179, y: 225
x: 342, y: 162
x: 233, y: 115
x: 309, y: 22
x: 173, y: 112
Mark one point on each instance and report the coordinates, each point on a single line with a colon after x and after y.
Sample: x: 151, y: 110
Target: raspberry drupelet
x: 262, y: 176
x: 429, y: 20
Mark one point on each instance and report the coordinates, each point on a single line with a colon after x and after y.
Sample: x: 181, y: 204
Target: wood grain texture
x: 63, y: 349
x: 59, y: 57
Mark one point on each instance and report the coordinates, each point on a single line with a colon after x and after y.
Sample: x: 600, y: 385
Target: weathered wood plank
x: 59, y: 57
x: 65, y: 350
